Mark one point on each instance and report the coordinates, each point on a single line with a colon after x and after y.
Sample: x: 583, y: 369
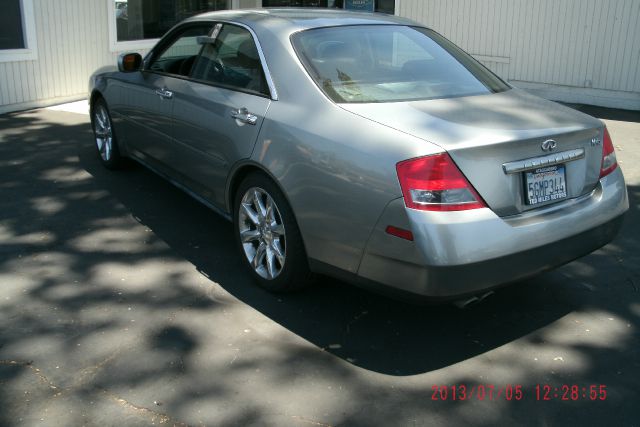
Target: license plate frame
x: 551, y: 185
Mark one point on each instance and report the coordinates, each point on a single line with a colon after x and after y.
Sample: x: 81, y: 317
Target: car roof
x: 302, y: 18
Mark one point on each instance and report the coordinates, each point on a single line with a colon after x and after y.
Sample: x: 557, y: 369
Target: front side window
x: 230, y: 58
x: 11, y: 30
x: 150, y: 19
x: 389, y: 63
x: 179, y: 55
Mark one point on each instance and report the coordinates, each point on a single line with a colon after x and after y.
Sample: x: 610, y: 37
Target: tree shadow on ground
x: 95, y: 288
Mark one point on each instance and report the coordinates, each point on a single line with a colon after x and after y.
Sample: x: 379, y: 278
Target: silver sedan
x: 364, y: 147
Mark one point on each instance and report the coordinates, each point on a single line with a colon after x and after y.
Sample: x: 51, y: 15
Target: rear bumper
x: 460, y: 253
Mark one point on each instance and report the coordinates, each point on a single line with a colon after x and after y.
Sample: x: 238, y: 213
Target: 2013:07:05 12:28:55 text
x: 517, y: 392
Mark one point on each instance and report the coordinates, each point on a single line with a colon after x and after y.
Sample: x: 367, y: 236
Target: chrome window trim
x: 208, y: 83
x: 537, y: 162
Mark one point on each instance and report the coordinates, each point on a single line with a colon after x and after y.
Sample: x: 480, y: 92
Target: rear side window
x: 389, y: 63
x: 230, y: 58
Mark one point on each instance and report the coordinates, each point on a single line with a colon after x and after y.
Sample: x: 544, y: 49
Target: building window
x: 11, y: 33
x: 150, y: 19
x: 298, y: 3
x: 384, y: 6
x: 17, y: 31
x: 138, y: 24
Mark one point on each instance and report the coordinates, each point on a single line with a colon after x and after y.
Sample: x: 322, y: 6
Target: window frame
x: 132, y: 45
x: 117, y: 46
x: 169, y: 38
x: 30, y: 51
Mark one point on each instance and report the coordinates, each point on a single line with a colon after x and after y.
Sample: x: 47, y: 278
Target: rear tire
x: 268, y: 236
x: 105, y: 137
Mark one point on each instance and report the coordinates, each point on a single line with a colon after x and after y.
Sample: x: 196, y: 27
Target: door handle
x: 164, y: 93
x: 243, y: 115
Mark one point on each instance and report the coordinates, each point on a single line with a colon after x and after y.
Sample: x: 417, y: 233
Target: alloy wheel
x: 103, y: 132
x: 262, y: 233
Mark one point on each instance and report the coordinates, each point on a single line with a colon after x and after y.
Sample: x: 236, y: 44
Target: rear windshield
x: 390, y: 63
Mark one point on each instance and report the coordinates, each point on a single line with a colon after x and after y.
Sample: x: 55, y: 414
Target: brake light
x: 434, y: 183
x: 609, y: 161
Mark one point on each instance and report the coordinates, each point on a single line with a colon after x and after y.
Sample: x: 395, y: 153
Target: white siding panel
x: 27, y: 71
x: 589, y: 45
x: 73, y: 41
x: 21, y: 90
x: 43, y: 30
x: 5, y: 86
x: 4, y: 89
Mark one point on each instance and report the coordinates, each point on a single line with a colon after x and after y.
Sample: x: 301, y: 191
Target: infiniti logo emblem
x: 549, y: 145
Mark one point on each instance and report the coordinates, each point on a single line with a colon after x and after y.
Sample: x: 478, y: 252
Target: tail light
x: 434, y: 183
x: 609, y: 161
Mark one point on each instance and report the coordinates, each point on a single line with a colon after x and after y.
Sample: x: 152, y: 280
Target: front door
x: 149, y: 96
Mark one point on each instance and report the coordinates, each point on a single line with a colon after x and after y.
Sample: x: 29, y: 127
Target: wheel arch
x: 95, y: 95
x: 243, y: 169
x: 239, y: 172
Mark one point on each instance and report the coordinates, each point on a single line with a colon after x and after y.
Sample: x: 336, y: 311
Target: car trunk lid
x: 496, y: 139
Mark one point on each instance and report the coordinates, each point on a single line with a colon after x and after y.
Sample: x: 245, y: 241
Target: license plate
x: 545, y: 184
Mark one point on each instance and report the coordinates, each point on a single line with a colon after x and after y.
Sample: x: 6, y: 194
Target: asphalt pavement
x: 123, y: 302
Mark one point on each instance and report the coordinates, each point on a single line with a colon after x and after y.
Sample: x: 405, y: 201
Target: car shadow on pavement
x: 370, y: 331
x: 607, y: 113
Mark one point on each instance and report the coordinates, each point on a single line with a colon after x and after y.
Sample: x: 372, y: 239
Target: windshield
x: 390, y: 63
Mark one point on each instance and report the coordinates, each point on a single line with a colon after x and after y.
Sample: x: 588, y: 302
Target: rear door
x: 219, y: 110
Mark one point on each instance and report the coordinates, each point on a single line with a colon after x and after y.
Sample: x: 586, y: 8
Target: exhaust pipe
x: 474, y: 300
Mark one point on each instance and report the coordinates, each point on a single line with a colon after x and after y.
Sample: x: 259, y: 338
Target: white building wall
x: 74, y: 38
x: 571, y: 50
x: 72, y: 41
x: 584, y: 51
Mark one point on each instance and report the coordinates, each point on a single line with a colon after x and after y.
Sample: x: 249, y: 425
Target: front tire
x: 104, y: 134
x: 268, y: 236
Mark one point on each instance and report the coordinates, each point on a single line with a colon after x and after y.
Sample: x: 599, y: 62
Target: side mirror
x: 129, y: 62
